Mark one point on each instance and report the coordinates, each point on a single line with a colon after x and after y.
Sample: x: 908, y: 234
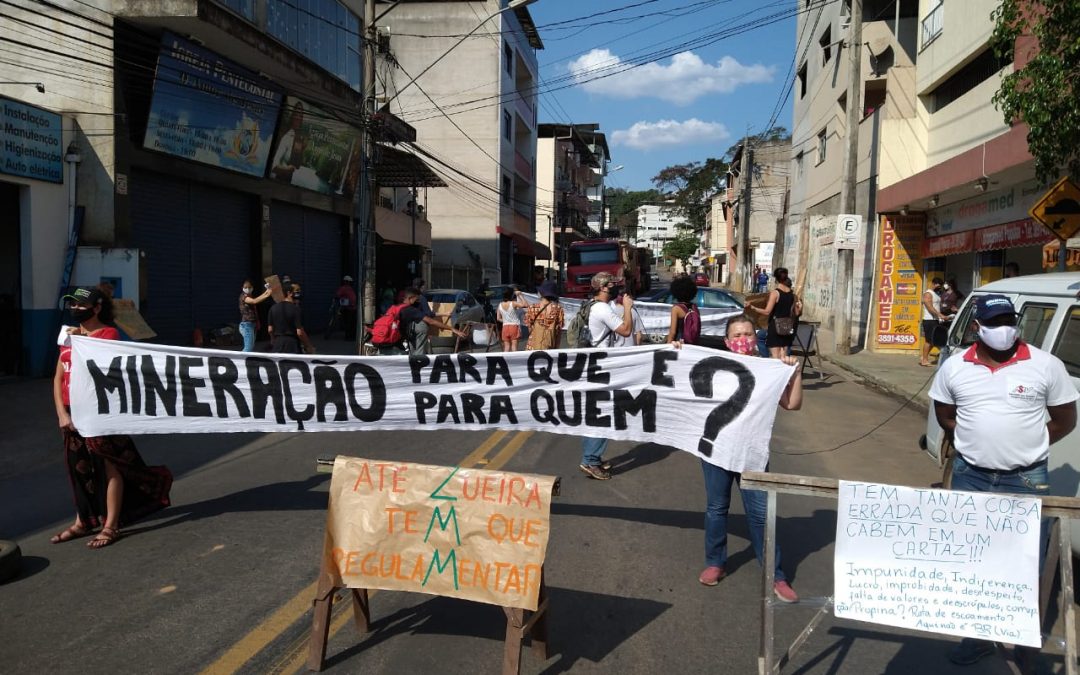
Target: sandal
x: 108, y: 535
x: 73, y: 532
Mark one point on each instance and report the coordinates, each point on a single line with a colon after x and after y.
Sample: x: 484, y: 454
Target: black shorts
x: 928, y: 326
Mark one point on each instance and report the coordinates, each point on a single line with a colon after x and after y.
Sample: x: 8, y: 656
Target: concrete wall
x: 464, y: 216
x: 82, y: 93
x: 545, y: 197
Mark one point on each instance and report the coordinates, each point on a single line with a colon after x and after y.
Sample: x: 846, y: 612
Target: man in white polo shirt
x: 1003, y: 403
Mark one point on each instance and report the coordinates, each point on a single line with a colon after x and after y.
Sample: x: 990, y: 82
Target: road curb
x: 919, y: 402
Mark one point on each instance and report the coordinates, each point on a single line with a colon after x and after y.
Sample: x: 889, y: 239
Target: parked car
x: 706, y: 297
x: 701, y: 279
x: 1048, y: 306
x: 465, y: 309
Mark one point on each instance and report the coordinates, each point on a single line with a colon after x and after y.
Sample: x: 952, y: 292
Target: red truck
x: 586, y: 258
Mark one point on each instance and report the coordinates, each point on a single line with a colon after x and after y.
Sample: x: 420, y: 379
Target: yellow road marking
x: 285, y: 616
x: 295, y: 659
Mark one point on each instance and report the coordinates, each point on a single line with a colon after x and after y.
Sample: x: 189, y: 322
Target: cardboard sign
x: 957, y: 563
x: 717, y: 405
x: 463, y: 533
x: 276, y: 291
x: 129, y: 320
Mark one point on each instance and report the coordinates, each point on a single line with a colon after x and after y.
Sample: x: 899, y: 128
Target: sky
x: 698, y: 91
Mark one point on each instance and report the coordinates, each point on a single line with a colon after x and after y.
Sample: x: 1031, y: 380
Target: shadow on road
x: 572, y: 628
x: 639, y: 456
x: 297, y: 495
x: 28, y: 567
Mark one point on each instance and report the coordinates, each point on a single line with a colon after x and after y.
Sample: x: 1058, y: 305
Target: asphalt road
x: 222, y: 581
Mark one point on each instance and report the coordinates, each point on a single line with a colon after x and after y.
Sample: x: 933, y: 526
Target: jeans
x: 718, y: 498
x: 593, y: 451
x: 247, y: 331
x: 1034, y: 481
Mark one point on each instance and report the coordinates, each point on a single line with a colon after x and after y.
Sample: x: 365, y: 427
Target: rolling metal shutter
x: 196, y: 243
x: 308, y: 246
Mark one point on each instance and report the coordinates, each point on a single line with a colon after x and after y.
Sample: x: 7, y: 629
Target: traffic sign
x: 1059, y: 209
x: 848, y: 231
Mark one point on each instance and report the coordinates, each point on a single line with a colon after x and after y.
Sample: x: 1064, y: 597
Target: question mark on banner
x: 701, y: 381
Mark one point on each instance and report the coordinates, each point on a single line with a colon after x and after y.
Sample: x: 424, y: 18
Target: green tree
x: 693, y: 185
x: 682, y: 247
x: 1043, y: 92
x: 624, y: 204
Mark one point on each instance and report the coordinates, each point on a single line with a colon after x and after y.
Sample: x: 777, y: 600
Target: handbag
x: 785, y: 325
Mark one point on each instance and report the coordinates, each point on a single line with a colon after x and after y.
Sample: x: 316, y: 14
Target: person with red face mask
x: 742, y: 339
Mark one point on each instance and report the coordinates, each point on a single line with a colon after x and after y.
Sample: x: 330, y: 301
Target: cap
x: 548, y: 290
x: 84, y: 296
x: 989, y: 306
x: 347, y: 278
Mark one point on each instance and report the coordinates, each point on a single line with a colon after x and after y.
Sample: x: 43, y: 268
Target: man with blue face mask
x: 994, y: 401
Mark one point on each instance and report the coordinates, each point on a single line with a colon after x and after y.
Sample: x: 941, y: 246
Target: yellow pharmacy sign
x: 1059, y: 209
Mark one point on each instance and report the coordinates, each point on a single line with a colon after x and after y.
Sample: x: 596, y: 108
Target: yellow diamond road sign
x: 1059, y: 209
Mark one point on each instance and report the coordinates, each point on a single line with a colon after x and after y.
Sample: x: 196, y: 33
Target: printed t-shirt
x: 106, y: 333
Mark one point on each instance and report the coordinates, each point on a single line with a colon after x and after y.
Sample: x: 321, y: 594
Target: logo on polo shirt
x: 1023, y: 392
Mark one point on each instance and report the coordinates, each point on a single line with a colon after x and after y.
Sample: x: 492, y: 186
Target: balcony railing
x: 526, y: 111
x: 523, y: 166
x: 932, y: 24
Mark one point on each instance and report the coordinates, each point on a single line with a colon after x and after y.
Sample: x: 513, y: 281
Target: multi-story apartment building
x: 474, y: 111
x: 570, y: 165
x: 192, y: 143
x: 657, y: 223
x: 890, y: 37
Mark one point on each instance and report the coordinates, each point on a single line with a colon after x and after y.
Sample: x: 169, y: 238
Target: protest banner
x: 957, y: 563
x: 462, y: 533
x: 655, y: 316
x: 716, y: 405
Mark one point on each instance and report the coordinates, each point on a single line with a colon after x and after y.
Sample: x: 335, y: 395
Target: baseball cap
x: 84, y: 296
x: 989, y: 306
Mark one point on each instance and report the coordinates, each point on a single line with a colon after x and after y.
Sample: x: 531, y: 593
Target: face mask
x: 247, y: 290
x: 296, y: 296
x: 81, y: 314
x: 946, y: 287
x: 745, y: 345
x: 999, y: 338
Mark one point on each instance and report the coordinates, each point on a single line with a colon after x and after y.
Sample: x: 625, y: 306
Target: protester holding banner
x: 111, y: 484
x: 545, y: 319
x: 1003, y: 403
x: 611, y: 330
x: 685, y: 290
x: 286, y: 332
x: 742, y: 339
x: 783, y: 309
x: 510, y: 319
x: 248, y: 316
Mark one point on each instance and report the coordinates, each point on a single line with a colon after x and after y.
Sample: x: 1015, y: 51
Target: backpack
x: 578, y: 334
x: 387, y: 328
x: 691, y: 326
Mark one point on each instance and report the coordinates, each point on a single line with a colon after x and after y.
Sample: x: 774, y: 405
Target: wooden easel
x: 518, y: 625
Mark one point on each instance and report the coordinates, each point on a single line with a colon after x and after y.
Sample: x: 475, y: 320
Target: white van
x: 1049, y: 318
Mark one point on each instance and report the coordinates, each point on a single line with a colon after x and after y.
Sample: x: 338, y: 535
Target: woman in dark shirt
x: 782, y: 304
x: 248, y: 317
x: 286, y: 331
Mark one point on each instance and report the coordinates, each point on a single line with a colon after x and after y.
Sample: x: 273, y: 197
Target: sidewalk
x: 898, y: 375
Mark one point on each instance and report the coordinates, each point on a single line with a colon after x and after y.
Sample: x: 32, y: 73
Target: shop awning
x: 1011, y: 235
x: 399, y: 169
x: 526, y: 245
x: 948, y: 244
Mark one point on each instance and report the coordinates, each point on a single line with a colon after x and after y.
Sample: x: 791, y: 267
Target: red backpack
x: 691, y: 327
x: 387, y: 328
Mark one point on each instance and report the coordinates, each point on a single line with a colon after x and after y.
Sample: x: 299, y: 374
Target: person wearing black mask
x: 286, y: 330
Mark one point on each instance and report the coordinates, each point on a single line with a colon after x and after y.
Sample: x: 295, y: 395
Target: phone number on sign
x: 896, y: 339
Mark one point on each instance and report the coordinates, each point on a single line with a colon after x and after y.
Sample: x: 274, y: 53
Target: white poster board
x: 957, y: 563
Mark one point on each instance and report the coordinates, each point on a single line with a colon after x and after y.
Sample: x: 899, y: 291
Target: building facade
x: 480, y: 137
x: 657, y: 224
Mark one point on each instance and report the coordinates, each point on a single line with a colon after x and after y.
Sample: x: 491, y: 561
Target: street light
x: 513, y: 4
x: 40, y: 86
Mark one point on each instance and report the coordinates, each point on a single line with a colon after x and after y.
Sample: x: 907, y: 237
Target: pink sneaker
x: 784, y: 592
x: 712, y: 575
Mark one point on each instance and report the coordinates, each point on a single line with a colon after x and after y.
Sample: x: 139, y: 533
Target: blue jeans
x: 718, y: 498
x: 592, y: 451
x: 247, y: 331
x: 1033, y: 481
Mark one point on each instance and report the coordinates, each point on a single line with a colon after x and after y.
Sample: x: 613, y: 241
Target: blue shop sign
x: 208, y: 109
x: 31, y: 144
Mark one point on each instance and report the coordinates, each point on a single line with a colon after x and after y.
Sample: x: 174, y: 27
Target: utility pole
x: 366, y: 209
x: 742, y: 268
x: 845, y: 264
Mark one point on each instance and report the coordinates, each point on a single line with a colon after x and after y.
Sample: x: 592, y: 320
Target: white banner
x: 957, y: 563
x: 655, y: 316
x: 716, y: 405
